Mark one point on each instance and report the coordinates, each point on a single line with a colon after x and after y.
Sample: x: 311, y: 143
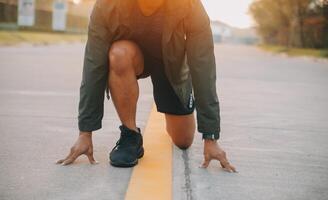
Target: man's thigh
x: 180, y: 123
x: 181, y: 128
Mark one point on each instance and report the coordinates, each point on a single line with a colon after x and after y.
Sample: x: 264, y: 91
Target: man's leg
x: 125, y: 63
x: 181, y: 128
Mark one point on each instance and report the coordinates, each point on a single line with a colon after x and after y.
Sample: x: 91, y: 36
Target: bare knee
x: 122, y: 57
x: 183, y: 145
x: 182, y: 140
x: 181, y: 129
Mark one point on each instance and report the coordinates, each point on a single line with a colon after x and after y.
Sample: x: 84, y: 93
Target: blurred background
x: 45, y: 15
x: 280, y: 24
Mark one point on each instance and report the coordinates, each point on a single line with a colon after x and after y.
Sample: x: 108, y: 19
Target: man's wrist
x: 85, y: 133
x: 210, y: 142
x: 210, y: 136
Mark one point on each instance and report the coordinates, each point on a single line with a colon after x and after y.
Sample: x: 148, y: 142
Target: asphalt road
x: 274, y: 128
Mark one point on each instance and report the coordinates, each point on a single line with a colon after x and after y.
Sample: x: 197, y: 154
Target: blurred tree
x: 295, y: 23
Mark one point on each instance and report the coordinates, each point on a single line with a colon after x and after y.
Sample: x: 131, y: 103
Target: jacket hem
x: 89, y: 128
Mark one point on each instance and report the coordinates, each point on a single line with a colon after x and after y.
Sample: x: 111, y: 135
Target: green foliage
x: 292, y: 23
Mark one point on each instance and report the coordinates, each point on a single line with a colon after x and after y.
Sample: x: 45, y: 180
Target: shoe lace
x: 124, y: 139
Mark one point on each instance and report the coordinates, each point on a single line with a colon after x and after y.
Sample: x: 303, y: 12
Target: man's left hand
x: 212, y: 150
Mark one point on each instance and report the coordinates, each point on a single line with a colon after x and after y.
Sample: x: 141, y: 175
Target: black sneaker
x: 128, y: 148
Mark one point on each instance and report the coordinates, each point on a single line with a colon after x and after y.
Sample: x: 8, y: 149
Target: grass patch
x: 317, y: 53
x: 30, y: 37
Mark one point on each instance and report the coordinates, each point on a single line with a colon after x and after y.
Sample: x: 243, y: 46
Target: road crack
x: 187, y: 172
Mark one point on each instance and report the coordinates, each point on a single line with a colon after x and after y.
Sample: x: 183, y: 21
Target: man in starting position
x: 168, y: 40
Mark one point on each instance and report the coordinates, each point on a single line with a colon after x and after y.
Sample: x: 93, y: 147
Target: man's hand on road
x: 83, y: 145
x: 212, y: 150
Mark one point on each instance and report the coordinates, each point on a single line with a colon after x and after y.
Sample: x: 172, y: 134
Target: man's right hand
x: 83, y: 145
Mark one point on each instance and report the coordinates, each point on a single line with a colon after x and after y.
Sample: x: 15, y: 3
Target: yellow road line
x: 152, y: 177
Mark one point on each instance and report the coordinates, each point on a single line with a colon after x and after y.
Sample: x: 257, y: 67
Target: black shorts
x: 165, y: 98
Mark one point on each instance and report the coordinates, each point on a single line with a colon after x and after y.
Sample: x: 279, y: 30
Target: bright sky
x: 232, y: 12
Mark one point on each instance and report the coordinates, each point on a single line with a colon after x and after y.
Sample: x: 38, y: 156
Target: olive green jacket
x: 188, y: 55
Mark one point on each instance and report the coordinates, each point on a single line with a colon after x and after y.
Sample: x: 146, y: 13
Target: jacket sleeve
x: 201, y: 61
x: 95, y: 72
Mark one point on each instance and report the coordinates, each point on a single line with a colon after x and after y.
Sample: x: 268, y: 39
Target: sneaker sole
x: 131, y: 164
